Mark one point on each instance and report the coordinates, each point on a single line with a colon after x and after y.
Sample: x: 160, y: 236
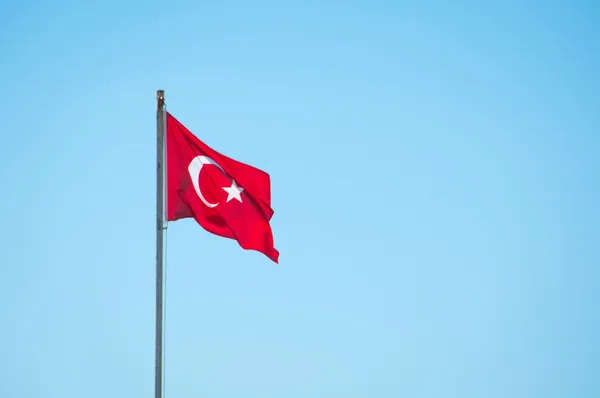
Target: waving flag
x: 226, y: 197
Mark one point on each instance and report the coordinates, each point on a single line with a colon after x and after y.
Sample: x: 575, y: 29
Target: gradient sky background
x: 435, y: 177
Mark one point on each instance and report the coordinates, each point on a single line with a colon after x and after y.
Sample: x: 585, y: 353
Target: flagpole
x: 160, y: 219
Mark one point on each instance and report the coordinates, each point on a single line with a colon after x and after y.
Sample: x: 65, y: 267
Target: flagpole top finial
x: 160, y: 99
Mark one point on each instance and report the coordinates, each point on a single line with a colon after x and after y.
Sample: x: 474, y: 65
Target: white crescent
x: 194, y: 169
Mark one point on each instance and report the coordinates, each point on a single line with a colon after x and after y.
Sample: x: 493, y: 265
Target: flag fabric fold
x: 226, y: 197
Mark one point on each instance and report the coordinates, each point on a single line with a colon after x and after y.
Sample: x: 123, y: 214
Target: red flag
x: 226, y: 197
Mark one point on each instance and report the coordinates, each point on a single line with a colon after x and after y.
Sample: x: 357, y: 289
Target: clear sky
x: 435, y: 180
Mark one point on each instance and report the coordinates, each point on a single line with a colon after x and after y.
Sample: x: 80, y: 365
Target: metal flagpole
x: 160, y: 219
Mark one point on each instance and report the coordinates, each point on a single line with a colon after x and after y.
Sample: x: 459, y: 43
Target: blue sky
x: 434, y: 177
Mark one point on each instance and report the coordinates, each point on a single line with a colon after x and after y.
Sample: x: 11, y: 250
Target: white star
x: 233, y: 192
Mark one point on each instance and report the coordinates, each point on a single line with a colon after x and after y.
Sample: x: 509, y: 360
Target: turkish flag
x: 226, y: 197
